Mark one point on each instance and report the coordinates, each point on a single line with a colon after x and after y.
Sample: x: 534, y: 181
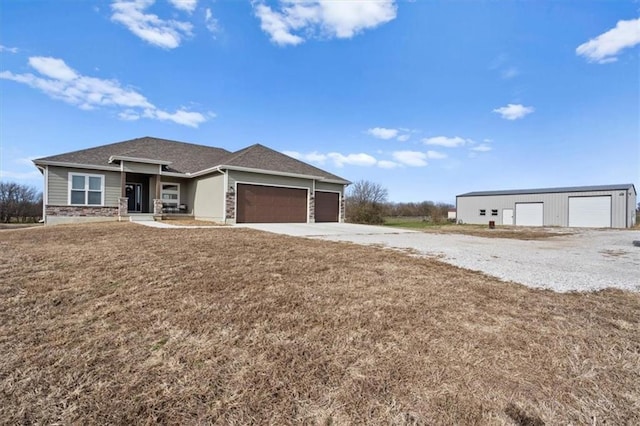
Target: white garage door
x: 590, y: 212
x: 529, y: 214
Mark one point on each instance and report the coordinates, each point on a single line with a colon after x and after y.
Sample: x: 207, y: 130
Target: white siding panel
x: 529, y: 214
x: 590, y: 212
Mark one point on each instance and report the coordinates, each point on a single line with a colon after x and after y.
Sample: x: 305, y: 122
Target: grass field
x: 522, y: 233
x: 120, y: 323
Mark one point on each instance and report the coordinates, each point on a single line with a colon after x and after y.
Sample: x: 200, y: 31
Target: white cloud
x: 483, y: 147
x: 383, y: 133
x: 445, y: 141
x: 514, y: 111
x: 411, y: 158
x: 435, y: 155
x: 606, y: 46
x: 211, y: 22
x: 360, y: 159
x: 300, y: 19
x: 64, y: 83
x: 8, y: 49
x: 185, y: 5
x: 312, y: 157
x: 150, y: 28
x: 386, y: 164
x: 27, y: 161
x: 403, y: 138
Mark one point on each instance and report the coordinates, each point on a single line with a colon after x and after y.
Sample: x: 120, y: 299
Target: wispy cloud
x: 483, y: 147
x: 435, y: 155
x: 159, y: 32
x: 411, y: 158
x: 211, y: 22
x: 185, y: 5
x: 447, y: 142
x: 604, y: 48
x: 385, y: 133
x: 509, y: 73
x: 32, y: 175
x: 295, y: 21
x: 8, y: 49
x: 340, y: 160
x: 62, y: 82
x: 514, y: 111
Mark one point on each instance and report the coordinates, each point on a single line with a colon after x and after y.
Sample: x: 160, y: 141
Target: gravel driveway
x: 585, y: 261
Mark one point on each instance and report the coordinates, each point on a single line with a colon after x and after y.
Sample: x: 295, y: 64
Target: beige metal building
x: 604, y: 206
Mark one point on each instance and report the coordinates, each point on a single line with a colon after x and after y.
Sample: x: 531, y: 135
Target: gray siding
x: 58, y: 185
x: 333, y: 187
x: 631, y: 206
x: 555, y: 207
x: 209, y: 197
x: 148, y: 169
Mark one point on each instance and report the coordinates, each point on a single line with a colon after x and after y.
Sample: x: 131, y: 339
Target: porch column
x: 123, y: 184
x: 157, y: 201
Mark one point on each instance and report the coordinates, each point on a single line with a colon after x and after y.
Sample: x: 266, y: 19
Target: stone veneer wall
x: 82, y: 211
x: 312, y: 207
x: 341, y: 218
x: 230, y: 206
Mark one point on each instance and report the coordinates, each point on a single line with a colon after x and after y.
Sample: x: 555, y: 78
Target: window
x: 170, y: 195
x: 494, y: 212
x: 86, y: 190
x: 483, y: 212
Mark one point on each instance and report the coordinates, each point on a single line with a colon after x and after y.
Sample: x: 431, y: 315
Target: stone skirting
x: 341, y: 217
x: 312, y: 207
x: 157, y: 207
x: 82, y: 211
x: 123, y: 206
x: 230, y: 205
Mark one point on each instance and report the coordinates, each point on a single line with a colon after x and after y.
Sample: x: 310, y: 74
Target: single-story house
x: 158, y: 177
x: 604, y: 206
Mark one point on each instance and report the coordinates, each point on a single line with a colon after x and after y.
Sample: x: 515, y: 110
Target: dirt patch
x: 119, y: 323
x: 512, y: 232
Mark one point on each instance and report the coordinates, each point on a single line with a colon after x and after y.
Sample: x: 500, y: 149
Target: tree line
x: 19, y: 203
x: 367, y: 202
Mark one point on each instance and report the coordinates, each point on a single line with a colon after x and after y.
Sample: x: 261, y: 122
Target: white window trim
x: 86, y: 177
x: 170, y: 192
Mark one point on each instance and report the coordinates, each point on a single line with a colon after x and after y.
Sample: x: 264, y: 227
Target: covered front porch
x: 153, y: 194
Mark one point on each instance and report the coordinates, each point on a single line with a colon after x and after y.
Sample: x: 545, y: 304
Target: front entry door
x: 134, y: 194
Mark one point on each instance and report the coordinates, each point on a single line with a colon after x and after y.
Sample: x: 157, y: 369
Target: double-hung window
x: 86, y: 190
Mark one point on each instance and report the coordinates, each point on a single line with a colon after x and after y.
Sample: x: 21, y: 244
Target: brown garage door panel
x: 327, y: 206
x: 271, y: 204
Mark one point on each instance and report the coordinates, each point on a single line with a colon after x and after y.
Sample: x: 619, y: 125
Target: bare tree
x: 366, y: 202
x: 19, y: 203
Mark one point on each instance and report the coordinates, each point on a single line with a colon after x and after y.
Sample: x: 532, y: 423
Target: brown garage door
x: 327, y: 206
x: 271, y: 204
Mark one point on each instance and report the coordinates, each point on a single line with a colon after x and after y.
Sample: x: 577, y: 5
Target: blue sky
x: 428, y: 98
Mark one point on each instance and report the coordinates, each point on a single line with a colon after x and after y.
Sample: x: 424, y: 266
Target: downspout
x: 224, y: 200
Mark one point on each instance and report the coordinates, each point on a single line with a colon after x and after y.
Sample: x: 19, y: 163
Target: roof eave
x: 74, y: 165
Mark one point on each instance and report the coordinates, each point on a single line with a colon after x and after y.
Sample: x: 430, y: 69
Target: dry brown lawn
x: 120, y: 323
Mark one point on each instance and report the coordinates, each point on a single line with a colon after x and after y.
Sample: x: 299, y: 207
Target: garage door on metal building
x: 327, y: 206
x: 590, y: 212
x: 529, y: 214
x: 270, y: 204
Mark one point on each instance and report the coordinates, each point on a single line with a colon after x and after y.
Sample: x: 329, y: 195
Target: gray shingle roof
x: 619, y: 187
x: 190, y: 158
x: 260, y: 157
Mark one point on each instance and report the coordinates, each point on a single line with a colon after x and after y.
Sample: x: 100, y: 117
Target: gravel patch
x: 588, y: 260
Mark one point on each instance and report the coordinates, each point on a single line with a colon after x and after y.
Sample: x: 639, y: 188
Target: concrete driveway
x: 587, y: 260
